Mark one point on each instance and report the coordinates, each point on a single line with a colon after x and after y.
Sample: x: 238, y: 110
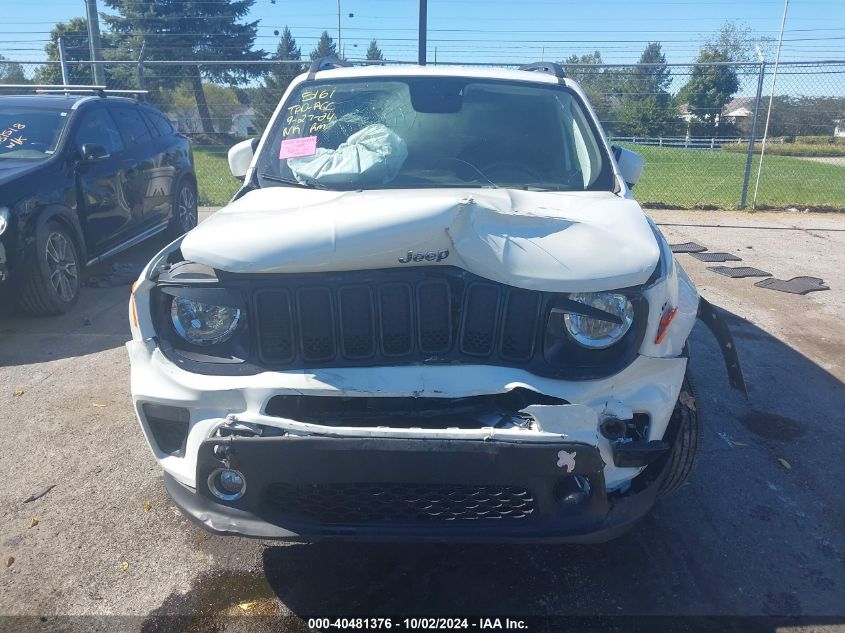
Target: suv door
x: 164, y: 174
x: 104, y: 208
x: 140, y: 163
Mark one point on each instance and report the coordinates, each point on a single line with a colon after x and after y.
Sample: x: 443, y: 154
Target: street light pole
x: 769, y: 112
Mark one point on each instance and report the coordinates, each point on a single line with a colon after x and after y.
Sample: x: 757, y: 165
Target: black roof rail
x: 326, y: 63
x: 546, y: 67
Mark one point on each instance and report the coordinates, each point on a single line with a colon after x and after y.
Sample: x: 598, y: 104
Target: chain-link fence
x: 701, y: 150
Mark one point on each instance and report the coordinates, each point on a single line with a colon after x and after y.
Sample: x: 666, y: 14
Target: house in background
x: 739, y: 109
x: 839, y: 128
x: 236, y: 120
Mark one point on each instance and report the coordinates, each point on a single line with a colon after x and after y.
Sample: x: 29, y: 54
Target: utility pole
x: 423, y: 30
x: 94, y: 40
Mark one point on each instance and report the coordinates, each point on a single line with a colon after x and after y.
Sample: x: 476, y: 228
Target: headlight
x: 4, y: 219
x: 203, y: 323
x: 595, y: 333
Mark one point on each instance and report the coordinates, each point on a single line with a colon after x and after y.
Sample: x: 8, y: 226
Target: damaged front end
x: 423, y: 399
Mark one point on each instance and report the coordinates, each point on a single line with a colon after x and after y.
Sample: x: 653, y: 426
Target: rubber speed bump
x: 739, y: 271
x: 716, y: 257
x: 796, y: 285
x: 687, y: 247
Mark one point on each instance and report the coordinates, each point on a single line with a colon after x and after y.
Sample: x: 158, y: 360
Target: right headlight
x: 203, y: 324
x: 598, y: 333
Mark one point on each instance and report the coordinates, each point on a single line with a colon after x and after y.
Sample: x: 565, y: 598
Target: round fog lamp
x: 227, y: 484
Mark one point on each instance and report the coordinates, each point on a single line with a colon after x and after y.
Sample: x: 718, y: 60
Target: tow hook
x: 709, y: 315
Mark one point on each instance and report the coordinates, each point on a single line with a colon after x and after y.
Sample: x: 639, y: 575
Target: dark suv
x: 83, y: 178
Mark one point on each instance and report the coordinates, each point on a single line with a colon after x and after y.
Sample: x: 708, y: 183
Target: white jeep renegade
x: 434, y: 311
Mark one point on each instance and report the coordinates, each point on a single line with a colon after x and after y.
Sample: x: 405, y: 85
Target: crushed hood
x: 564, y: 242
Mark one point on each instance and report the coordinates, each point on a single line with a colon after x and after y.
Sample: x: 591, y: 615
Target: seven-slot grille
x: 361, y: 318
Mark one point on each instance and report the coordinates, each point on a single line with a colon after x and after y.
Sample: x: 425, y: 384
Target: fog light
x: 227, y: 484
x: 572, y: 491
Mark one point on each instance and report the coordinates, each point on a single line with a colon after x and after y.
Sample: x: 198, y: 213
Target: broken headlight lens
x: 597, y: 333
x: 203, y: 323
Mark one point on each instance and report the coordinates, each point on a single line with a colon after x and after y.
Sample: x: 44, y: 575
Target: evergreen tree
x: 325, y: 47
x: 645, y: 107
x: 275, y: 84
x: 191, y: 30
x: 374, y: 52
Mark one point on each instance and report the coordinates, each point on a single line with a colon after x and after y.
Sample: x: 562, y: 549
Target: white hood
x: 562, y: 242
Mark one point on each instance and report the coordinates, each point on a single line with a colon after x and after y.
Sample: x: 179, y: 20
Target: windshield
x: 433, y: 132
x: 30, y: 133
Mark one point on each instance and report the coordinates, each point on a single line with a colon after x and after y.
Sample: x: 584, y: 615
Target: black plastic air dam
x: 326, y: 461
x: 501, y: 410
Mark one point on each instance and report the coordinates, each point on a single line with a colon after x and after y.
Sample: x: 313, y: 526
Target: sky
x: 496, y: 30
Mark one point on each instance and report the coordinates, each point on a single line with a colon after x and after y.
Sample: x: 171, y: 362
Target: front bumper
x: 412, y: 490
x: 312, y: 454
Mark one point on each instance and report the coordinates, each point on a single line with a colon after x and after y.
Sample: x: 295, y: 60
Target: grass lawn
x: 672, y: 177
x: 684, y: 178
x: 216, y: 184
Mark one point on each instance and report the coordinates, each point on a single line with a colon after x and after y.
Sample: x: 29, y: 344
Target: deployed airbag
x: 373, y: 155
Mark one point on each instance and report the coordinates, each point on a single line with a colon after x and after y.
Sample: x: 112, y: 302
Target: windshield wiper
x: 310, y: 183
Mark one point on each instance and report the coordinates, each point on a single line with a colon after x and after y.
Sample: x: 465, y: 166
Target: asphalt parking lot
x: 759, y: 530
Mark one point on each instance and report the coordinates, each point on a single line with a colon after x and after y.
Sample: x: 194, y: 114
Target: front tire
x: 185, y: 214
x: 685, y: 434
x: 51, y: 273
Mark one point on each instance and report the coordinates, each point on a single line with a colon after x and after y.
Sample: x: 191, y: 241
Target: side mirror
x: 630, y: 164
x: 93, y: 152
x: 240, y: 157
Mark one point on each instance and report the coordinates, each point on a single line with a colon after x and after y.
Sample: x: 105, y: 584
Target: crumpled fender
x: 709, y: 315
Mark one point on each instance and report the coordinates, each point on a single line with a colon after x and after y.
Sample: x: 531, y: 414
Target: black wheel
x: 51, y: 273
x: 685, y: 434
x: 184, y: 216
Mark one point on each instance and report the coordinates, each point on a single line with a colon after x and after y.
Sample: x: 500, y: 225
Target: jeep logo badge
x: 429, y: 256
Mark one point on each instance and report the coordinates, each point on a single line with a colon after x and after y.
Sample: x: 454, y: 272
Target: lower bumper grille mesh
x: 355, y: 503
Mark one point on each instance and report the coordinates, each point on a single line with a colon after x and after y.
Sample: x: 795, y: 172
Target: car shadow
x: 99, y: 321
